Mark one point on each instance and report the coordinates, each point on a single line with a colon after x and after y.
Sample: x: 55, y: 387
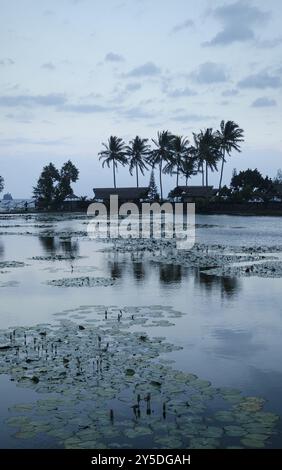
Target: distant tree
x: 153, y: 189
x: 250, y: 185
x: 114, y: 154
x: 278, y: 177
x: 188, y: 167
x: 45, y: 191
x: 137, y: 152
x: 207, y: 151
x: 179, y: 150
x: 162, y: 153
x: 1, y: 184
x: 230, y: 136
x: 54, y: 186
x: 68, y: 174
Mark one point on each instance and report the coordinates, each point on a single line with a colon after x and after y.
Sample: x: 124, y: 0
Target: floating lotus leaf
x: 224, y: 416
x: 256, y: 441
x: 138, y: 432
x: 235, y: 431
x: 251, y: 404
x: 168, y: 442
x: 203, y: 443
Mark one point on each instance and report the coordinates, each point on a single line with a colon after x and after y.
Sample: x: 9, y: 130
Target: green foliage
x: 230, y: 137
x: 1, y: 184
x: 68, y: 174
x: 54, y: 186
x: 247, y: 186
x: 207, y: 151
x: 114, y: 154
x: 153, y: 189
x: 137, y: 151
x: 162, y: 153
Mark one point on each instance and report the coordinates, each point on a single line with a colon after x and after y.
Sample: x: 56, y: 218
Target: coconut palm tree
x: 179, y: 149
x: 208, y: 152
x: 137, y: 151
x: 113, y: 154
x: 162, y: 153
x: 188, y: 166
x: 230, y: 137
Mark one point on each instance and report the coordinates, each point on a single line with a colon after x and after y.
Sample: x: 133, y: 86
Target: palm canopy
x: 188, y: 166
x: 138, y: 150
x: 113, y: 154
x: 179, y: 150
x: 207, y: 150
x: 230, y: 137
x: 162, y: 153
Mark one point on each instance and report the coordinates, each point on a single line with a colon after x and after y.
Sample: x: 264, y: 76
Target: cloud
x: 238, y: 21
x: 148, y: 69
x: 6, y: 62
x: 137, y: 113
x: 269, y: 43
x: 180, y: 92
x: 181, y: 26
x: 192, y: 117
x: 28, y: 101
x: 264, y: 103
x: 261, y: 80
x: 48, y: 13
x: 26, y: 141
x: 229, y: 93
x: 84, y: 108
x: 112, y: 57
x: 48, y: 66
x: 133, y: 87
x: 210, y: 72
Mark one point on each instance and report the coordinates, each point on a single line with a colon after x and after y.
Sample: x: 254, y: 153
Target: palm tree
x: 137, y: 151
x: 162, y: 153
x: 188, y: 166
x: 179, y: 149
x: 230, y: 136
x: 114, y: 153
x: 207, y: 151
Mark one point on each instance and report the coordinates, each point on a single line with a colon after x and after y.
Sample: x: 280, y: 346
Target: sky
x: 74, y: 72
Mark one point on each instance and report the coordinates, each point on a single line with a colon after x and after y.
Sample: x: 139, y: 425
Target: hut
x: 136, y: 195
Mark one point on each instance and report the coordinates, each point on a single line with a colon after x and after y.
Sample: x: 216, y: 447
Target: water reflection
x: 2, y: 250
x: 171, y: 273
x: 53, y: 245
x: 228, y: 286
x: 120, y: 265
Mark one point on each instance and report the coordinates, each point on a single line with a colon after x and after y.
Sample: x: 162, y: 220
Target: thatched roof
x: 124, y: 194
x: 194, y: 191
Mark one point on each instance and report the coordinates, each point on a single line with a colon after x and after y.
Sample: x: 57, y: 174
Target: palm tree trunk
x: 177, y: 174
x: 222, y: 166
x: 114, y: 173
x: 137, y: 180
x: 203, y: 175
x: 161, y: 183
x: 186, y: 180
x: 207, y: 177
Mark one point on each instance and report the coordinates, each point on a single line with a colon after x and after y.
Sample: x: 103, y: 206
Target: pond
x: 185, y: 358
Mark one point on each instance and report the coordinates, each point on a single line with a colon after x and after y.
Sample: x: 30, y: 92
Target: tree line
x: 175, y: 155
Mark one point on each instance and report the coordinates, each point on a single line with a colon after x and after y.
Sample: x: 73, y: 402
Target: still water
x: 231, y: 329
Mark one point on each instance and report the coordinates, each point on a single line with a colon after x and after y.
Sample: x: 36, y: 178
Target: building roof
x: 195, y: 191
x: 127, y: 194
x: 71, y: 198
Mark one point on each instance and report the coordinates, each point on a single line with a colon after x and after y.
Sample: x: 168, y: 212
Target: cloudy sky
x: 73, y: 72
